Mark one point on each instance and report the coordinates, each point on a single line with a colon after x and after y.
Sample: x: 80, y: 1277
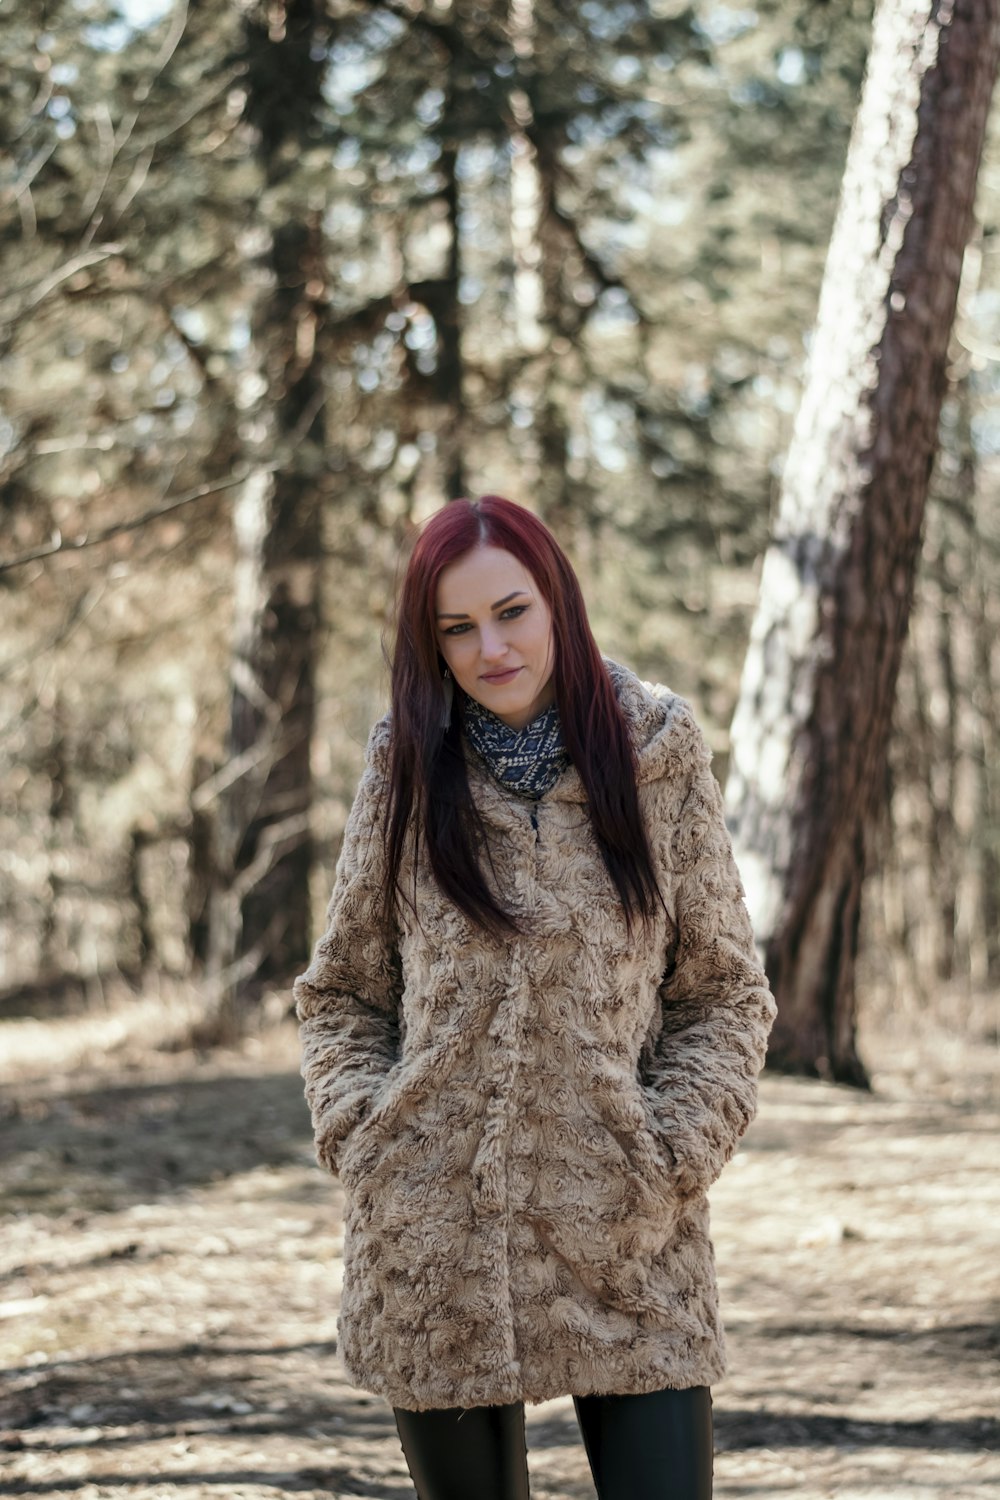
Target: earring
x: 449, y: 697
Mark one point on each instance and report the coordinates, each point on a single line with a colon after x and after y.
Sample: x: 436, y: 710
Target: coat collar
x: 661, y: 724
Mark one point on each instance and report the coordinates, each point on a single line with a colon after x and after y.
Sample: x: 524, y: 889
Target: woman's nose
x: 492, y: 644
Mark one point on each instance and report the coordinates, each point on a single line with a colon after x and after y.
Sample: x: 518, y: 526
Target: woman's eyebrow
x: 498, y: 605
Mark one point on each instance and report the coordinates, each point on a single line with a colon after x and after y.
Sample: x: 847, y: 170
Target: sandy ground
x: 169, y: 1279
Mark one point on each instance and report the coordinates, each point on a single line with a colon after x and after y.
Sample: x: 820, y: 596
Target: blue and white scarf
x: 528, y: 761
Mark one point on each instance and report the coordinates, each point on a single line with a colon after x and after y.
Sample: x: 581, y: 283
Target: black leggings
x: 652, y: 1447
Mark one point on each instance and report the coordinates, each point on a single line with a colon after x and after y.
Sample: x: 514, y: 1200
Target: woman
x: 531, y: 1033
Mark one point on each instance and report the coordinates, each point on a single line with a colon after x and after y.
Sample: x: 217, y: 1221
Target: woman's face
x: 494, y: 630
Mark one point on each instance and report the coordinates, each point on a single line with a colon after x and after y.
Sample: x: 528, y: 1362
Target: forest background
x: 276, y: 281
x: 566, y: 253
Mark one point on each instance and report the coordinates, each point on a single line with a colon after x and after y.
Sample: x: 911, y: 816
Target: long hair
x: 427, y: 773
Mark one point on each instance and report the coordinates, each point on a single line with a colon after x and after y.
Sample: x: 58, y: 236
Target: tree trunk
x: 985, y: 627
x: 260, y: 920
x: 545, y: 322
x: 445, y: 390
x: 447, y: 313
x: 811, y: 729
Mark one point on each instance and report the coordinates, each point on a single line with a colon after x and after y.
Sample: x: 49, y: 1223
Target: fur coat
x: 526, y: 1132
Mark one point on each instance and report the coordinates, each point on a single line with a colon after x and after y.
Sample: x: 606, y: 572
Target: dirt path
x: 169, y: 1279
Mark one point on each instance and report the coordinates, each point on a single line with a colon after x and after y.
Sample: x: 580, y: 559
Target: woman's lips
x: 501, y: 676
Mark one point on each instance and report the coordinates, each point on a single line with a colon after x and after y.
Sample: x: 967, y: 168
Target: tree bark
x: 448, y: 316
x: 811, y: 729
x: 260, y: 922
x: 985, y: 626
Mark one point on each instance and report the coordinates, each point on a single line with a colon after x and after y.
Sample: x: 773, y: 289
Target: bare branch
x: 106, y: 141
x: 78, y: 543
x: 276, y: 841
x: 78, y: 612
x: 120, y: 136
x: 198, y: 356
x: 171, y: 42
x: 54, y: 279
x: 237, y: 766
x: 138, y: 176
x: 21, y: 189
x: 196, y: 107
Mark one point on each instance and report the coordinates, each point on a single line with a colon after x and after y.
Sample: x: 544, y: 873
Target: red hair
x: 427, y: 774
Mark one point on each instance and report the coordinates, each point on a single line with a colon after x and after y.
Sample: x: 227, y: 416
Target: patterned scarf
x: 529, y: 760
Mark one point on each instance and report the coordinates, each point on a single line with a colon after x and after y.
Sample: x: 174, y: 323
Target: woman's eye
x: 512, y: 612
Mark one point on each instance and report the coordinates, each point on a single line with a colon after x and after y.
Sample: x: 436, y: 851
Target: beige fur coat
x: 526, y: 1132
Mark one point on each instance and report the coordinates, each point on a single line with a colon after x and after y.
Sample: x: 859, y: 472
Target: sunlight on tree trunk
x: 811, y: 729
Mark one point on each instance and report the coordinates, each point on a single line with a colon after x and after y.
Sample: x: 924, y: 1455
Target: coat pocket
x: 355, y: 1152
x: 627, y: 1115
x: 611, y: 1247
x: 603, y: 1198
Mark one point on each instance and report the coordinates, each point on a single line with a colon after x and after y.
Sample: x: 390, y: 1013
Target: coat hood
x: 663, y: 729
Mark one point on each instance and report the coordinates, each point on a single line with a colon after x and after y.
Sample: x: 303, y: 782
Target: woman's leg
x: 466, y: 1453
x: 652, y: 1447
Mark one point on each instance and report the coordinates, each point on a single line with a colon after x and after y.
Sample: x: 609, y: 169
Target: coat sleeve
x: 709, y: 1036
x: 347, y: 1001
